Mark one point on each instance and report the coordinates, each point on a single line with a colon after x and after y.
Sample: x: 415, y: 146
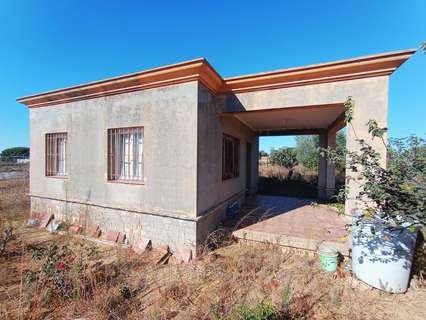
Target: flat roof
x: 201, y: 70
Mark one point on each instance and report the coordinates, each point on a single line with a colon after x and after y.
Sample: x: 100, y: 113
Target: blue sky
x: 52, y: 44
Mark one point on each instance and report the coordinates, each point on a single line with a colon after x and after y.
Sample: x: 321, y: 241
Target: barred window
x: 230, y: 157
x: 56, y: 154
x: 125, y: 154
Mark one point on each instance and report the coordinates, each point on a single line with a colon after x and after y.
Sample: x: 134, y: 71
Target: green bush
x: 262, y: 311
x: 284, y: 157
x: 307, y: 150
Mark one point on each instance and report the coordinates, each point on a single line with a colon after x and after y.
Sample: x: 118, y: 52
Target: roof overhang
x: 187, y: 71
x: 200, y: 70
x: 357, y: 68
x: 296, y: 120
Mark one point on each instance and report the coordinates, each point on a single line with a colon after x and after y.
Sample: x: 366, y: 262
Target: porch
x: 292, y: 222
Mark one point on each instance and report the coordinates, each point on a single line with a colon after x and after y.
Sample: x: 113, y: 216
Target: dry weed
x: 228, y: 280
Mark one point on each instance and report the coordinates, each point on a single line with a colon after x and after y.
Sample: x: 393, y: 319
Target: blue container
x: 232, y: 210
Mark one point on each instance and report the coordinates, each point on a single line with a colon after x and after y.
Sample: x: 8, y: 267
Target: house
x: 162, y: 153
x: 21, y: 159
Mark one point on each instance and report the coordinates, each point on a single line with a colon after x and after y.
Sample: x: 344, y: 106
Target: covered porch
x: 322, y: 120
x: 310, y: 101
x: 292, y: 222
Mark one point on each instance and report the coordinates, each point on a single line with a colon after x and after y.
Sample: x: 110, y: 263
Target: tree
x: 262, y: 154
x: 307, y: 150
x: 285, y: 157
x: 8, y: 154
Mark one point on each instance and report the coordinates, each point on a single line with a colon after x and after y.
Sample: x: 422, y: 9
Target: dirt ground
x: 45, y: 276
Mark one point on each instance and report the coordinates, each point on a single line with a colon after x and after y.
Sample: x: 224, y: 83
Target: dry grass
x: 14, y: 201
x: 113, y: 283
x: 300, y: 173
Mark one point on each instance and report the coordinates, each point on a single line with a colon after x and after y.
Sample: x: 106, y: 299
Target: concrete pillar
x: 326, y: 169
x: 368, y: 106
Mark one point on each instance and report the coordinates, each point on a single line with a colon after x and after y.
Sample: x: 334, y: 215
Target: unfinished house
x: 163, y: 153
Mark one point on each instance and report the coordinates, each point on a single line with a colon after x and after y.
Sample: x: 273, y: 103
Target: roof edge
x: 187, y: 71
x: 200, y: 70
x: 348, y: 69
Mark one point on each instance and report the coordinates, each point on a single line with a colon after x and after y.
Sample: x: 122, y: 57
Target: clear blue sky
x: 52, y: 44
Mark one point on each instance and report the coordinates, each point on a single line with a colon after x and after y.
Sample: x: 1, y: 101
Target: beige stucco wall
x: 371, y: 102
x: 169, y: 118
x: 211, y: 127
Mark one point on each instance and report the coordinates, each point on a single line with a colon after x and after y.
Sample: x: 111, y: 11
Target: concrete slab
x: 142, y: 245
x: 182, y: 255
x: 299, y: 225
x: 94, y: 231
x: 75, y: 229
x: 110, y: 235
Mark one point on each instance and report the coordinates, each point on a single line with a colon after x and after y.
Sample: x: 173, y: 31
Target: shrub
x: 62, y: 272
x: 262, y: 311
x: 285, y: 157
x: 307, y: 151
x: 397, y: 195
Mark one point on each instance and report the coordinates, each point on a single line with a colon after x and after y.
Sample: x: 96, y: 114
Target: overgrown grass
x: 60, y: 277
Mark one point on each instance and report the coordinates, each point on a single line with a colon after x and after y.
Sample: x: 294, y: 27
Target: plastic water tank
x: 382, y: 257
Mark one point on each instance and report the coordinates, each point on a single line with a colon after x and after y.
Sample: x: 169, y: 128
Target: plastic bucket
x: 329, y: 258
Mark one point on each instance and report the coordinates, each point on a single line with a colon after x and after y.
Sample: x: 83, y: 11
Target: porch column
x: 326, y: 169
x: 373, y: 106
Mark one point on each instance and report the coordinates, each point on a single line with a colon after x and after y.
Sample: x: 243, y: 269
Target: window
x: 125, y: 154
x: 56, y: 152
x: 230, y: 157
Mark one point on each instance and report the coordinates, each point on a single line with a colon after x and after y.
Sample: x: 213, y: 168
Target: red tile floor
x: 294, y: 222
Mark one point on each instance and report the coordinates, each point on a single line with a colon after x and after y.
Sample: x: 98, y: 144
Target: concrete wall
x: 175, y: 232
x: 169, y: 118
x: 213, y: 193
x: 371, y: 102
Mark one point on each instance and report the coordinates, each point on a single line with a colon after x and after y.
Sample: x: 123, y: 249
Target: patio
x: 292, y: 222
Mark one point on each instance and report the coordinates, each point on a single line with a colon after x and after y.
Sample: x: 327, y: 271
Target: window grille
x: 125, y: 154
x: 230, y: 157
x: 56, y: 154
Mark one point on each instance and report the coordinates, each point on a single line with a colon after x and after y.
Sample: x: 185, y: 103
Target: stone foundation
x: 161, y: 230
x: 177, y: 233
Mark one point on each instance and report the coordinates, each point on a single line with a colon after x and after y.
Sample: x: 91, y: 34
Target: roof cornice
x: 200, y: 70
x: 349, y: 69
x: 194, y: 70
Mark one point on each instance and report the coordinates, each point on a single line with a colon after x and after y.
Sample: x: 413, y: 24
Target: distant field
x: 13, y: 171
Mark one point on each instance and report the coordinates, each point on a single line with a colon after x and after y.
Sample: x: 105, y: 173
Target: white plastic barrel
x: 382, y: 258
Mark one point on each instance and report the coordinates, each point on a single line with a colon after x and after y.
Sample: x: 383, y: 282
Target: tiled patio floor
x: 295, y: 223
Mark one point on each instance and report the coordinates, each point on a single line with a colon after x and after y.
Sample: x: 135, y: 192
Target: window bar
x: 47, y: 155
x: 128, y: 153
x: 109, y: 155
x: 117, y: 155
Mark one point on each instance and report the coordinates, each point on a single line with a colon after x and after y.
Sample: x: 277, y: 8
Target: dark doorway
x: 248, y: 167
